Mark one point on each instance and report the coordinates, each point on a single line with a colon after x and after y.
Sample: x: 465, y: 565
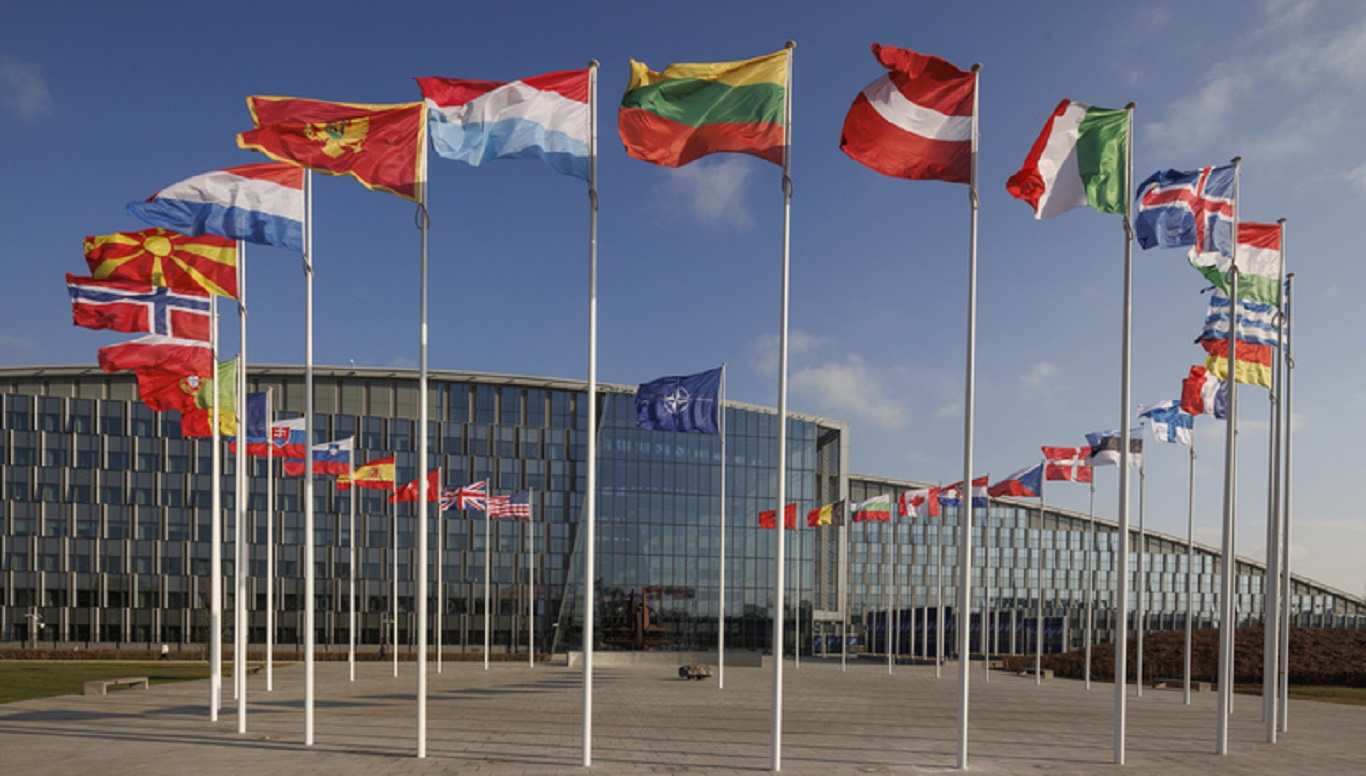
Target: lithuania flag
x: 691, y: 110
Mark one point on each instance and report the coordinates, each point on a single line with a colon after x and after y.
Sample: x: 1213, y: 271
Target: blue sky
x: 105, y: 105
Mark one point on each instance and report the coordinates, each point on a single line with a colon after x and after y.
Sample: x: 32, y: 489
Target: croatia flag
x: 258, y: 203
x: 543, y: 117
x: 914, y: 122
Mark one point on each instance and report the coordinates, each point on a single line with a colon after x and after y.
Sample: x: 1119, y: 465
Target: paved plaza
x: 514, y: 719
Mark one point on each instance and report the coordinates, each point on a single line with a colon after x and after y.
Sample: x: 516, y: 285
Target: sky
x: 104, y: 103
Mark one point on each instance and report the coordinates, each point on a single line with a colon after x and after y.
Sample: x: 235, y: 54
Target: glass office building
x: 105, y: 526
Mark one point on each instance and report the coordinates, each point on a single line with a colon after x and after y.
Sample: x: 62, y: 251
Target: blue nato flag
x: 681, y: 403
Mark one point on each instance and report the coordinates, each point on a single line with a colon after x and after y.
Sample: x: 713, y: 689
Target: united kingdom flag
x: 472, y: 496
x: 1177, y: 209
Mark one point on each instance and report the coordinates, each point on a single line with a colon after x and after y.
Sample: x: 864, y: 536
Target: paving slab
x: 515, y: 719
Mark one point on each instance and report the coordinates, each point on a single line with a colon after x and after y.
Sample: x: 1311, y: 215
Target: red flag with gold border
x: 381, y: 146
x: 190, y: 265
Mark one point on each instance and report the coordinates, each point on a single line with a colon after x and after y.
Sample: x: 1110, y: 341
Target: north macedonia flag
x: 191, y: 265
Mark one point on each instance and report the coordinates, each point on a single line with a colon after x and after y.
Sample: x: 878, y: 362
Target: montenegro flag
x: 381, y: 146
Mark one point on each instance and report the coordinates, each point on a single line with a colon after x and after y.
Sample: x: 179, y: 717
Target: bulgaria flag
x: 916, y: 121
x: 1079, y: 159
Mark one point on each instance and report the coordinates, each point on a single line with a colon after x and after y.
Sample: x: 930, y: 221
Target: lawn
x: 24, y: 679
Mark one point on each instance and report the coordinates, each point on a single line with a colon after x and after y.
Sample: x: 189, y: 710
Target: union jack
x: 471, y: 496
x: 516, y: 505
x: 1177, y: 209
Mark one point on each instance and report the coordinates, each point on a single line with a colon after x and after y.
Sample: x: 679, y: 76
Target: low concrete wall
x: 616, y: 658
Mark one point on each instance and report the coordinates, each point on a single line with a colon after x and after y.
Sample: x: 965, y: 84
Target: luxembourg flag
x: 259, y: 203
x: 543, y: 117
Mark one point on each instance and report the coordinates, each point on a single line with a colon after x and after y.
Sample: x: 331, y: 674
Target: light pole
x: 35, y: 624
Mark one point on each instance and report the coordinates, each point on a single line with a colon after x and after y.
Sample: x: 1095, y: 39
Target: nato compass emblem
x: 677, y: 400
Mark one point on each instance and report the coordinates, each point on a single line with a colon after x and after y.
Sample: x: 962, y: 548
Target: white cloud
x: 763, y: 352
x: 23, y: 89
x: 853, y: 389
x: 1040, y: 381
x: 712, y: 191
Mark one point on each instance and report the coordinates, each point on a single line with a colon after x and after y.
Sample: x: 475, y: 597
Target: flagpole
x: 721, y: 583
x: 780, y: 522
x: 965, y: 505
x: 309, y: 570
x: 590, y: 497
x: 1190, y: 569
x: 986, y: 589
x: 440, y: 561
x: 531, y: 578
x: 270, y: 540
x: 1141, y: 582
x: 939, y: 585
x: 215, y: 535
x: 1227, y: 624
x: 1091, y: 584
x: 239, y: 508
x: 1038, y: 610
x: 351, y: 592
x: 1272, y: 620
x: 887, y: 593
x: 1122, y: 585
x: 393, y: 582
x: 1285, y: 496
x: 488, y: 559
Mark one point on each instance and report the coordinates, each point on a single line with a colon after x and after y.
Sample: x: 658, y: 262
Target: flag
x: 769, y: 519
x: 878, y: 508
x: 914, y: 122
x: 328, y: 458
x: 830, y: 514
x: 1080, y: 158
x: 379, y: 145
x: 952, y: 495
x: 681, y: 403
x: 196, y: 422
x: 411, y: 490
x: 254, y: 431
x: 138, y: 306
x: 1257, y: 335
x: 690, y: 110
x: 258, y: 203
x: 1169, y: 422
x: 1176, y: 209
x: 1204, y: 394
x: 206, y: 264
x: 920, y: 503
x: 543, y: 117
x: 1105, y: 448
x: 155, y: 351
x: 515, y: 505
x: 162, y: 389
x: 1025, y: 483
x: 471, y: 496
x: 1259, y: 264
x: 289, y: 438
x: 375, y: 475
x: 1067, y: 463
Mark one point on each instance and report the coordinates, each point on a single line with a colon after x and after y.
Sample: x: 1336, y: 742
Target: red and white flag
x: 919, y: 503
x: 1067, y: 463
x: 914, y: 122
x: 155, y: 351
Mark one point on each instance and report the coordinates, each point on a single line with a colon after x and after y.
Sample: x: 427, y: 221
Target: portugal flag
x: 381, y: 146
x: 206, y: 264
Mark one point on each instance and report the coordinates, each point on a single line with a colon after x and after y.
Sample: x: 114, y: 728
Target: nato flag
x: 682, y: 403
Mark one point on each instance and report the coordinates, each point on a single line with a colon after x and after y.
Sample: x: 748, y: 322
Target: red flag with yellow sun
x: 192, y: 265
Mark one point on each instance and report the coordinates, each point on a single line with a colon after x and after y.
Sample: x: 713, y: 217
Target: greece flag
x: 258, y: 203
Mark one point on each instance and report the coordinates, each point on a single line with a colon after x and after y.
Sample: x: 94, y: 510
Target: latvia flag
x: 916, y: 121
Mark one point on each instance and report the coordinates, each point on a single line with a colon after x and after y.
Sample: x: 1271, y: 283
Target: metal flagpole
x: 531, y: 579
x: 1091, y: 585
x: 1141, y: 583
x: 309, y: 571
x: 797, y: 572
x: 888, y: 539
x: 780, y: 522
x: 1038, y: 605
x: 351, y: 552
x: 1285, y: 496
x: 590, y: 497
x: 270, y: 540
x: 440, y: 608
x: 1190, y: 571
x: 939, y: 586
x: 986, y: 592
x: 1271, y: 621
x: 1125, y: 407
x: 964, y: 613
x: 423, y: 445
x: 393, y: 582
x: 721, y: 583
x: 240, y: 564
x: 215, y: 537
x: 1227, y: 623
x: 488, y: 559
